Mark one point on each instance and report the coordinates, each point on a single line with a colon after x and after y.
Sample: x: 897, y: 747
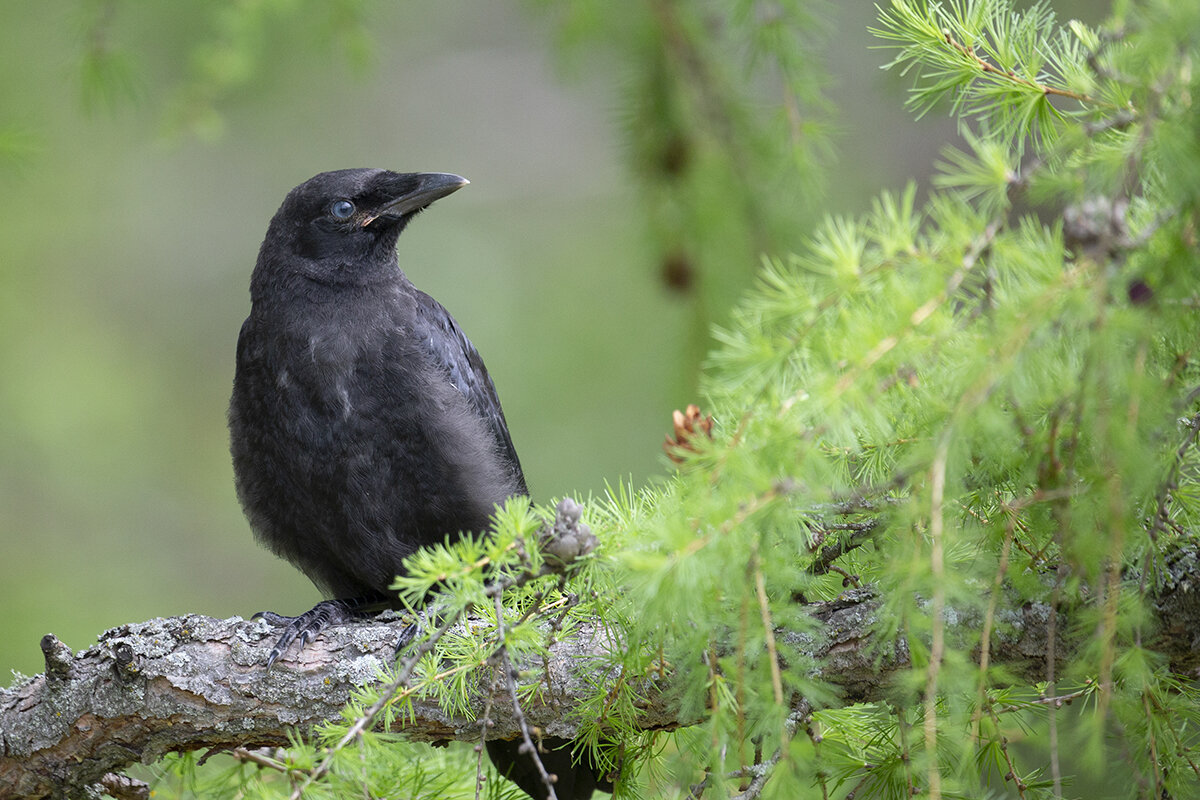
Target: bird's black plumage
x: 363, y: 422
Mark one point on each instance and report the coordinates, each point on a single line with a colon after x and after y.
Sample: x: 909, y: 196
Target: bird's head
x: 341, y: 227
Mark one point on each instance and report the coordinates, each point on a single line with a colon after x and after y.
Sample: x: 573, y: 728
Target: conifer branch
x: 194, y: 682
x: 510, y: 676
x: 1007, y: 74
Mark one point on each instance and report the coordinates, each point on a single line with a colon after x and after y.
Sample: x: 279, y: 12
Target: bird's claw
x: 407, y: 634
x: 306, y: 626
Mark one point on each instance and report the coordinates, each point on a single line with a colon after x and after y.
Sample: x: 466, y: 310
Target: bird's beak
x: 429, y: 186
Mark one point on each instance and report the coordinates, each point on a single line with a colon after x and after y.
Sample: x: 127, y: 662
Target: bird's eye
x: 341, y: 209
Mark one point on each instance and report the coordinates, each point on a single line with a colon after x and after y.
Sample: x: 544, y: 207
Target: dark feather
x: 450, y: 347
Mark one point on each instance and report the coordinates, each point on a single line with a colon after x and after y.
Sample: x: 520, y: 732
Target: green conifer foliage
x: 972, y: 408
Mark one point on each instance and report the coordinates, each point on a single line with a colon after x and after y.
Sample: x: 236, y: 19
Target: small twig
x: 858, y: 527
x: 764, y: 609
x: 743, y: 632
x: 989, y: 619
x: 978, y: 247
x: 1161, y: 516
x: 768, y: 628
x: 1060, y: 575
x: 814, y: 735
x: 938, y: 633
x: 761, y: 773
x: 1011, y: 76
x: 367, y: 719
x: 484, y: 723
x: 862, y: 533
x: 714, y: 696
x: 1153, y: 754
x: 1012, y: 769
x: 518, y: 712
x: 853, y: 793
x: 533, y: 606
x: 254, y: 757
x: 1102, y: 70
x: 1055, y: 701
x: 848, y: 578
x: 1180, y: 748
x: 905, y: 755
x: 568, y: 602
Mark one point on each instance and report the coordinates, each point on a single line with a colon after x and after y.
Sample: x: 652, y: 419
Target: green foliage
x: 725, y: 130
x: 985, y: 401
x: 232, y: 52
x: 390, y: 767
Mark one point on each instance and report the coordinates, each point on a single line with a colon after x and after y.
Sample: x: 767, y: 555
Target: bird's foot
x: 413, y: 625
x: 309, y: 624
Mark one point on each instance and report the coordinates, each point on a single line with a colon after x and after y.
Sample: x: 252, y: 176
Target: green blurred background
x: 130, y: 219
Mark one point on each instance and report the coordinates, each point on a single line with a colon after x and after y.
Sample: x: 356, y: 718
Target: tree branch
x: 194, y: 682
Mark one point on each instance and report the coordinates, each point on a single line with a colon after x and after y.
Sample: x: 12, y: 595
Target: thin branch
x: 254, y: 757
x: 1012, y: 768
x: 989, y: 619
x: 484, y: 723
x: 366, y: 721
x: 848, y: 578
x: 867, y: 769
x: 510, y: 673
x: 761, y: 772
x: 1161, y: 515
x: 826, y: 555
x: 978, y: 247
x: 1180, y: 748
x: 1153, y: 754
x: 764, y: 608
x: 1054, y: 701
x: 1012, y: 77
x: 814, y: 734
x: 905, y: 753
x: 938, y: 644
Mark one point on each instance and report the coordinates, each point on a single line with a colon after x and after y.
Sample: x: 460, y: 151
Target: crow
x: 363, y: 423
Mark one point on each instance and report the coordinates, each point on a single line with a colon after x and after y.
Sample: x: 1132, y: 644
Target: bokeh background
x: 131, y: 214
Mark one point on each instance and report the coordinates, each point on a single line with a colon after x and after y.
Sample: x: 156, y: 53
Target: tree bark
x: 194, y: 682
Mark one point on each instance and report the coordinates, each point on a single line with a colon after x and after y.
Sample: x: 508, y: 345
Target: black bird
x: 363, y: 423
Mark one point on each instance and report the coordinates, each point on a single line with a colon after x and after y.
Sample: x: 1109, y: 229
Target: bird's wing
x: 453, y: 351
